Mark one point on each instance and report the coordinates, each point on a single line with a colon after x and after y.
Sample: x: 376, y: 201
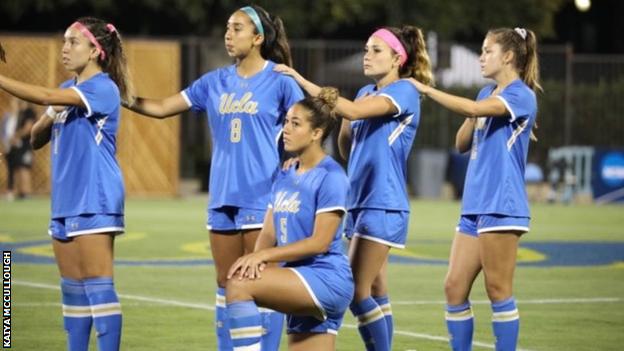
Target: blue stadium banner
x: 608, y: 175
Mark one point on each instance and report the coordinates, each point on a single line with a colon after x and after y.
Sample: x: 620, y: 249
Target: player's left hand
x: 2, y: 54
x: 248, y: 266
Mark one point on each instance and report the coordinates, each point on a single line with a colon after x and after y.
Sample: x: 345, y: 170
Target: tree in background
x: 345, y: 19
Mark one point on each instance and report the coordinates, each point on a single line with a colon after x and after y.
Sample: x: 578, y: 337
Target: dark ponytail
x: 114, y: 62
x: 275, y: 46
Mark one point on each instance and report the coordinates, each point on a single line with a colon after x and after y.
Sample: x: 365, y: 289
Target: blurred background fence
x: 582, y: 104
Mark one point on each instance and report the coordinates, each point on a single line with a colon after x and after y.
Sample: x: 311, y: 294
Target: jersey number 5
x: 236, y: 126
x: 283, y: 230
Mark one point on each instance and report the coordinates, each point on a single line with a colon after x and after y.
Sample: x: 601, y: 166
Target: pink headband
x: 87, y: 33
x: 393, y: 42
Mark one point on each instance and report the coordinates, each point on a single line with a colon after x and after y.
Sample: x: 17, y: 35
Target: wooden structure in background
x: 148, y: 150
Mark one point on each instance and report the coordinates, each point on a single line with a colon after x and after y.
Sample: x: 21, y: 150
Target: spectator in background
x: 16, y: 149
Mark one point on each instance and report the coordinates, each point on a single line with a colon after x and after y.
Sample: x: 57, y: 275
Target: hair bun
x: 329, y: 96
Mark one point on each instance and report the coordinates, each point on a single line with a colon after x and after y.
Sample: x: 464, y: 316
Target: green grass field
x: 570, y: 283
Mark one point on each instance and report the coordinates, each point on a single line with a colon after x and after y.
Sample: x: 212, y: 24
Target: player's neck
x: 87, y: 72
x: 309, y: 158
x: 387, y: 79
x: 250, y: 65
x: 504, y: 78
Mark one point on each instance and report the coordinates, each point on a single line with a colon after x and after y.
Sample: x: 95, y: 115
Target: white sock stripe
x: 106, y: 309
x: 254, y: 347
x: 220, y: 301
x: 246, y: 332
x: 106, y: 306
x: 506, y: 316
x: 386, y: 309
x: 76, y: 309
x: 370, y: 316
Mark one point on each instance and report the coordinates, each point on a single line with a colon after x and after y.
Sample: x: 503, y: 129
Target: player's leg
x: 95, y: 235
x: 77, y: 319
x: 279, y: 289
x: 379, y: 292
x: 464, y: 267
x: 272, y: 321
x: 367, y: 257
x: 498, y: 254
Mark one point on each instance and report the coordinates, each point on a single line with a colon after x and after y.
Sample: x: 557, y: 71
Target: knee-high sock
x: 245, y: 325
x: 371, y: 324
x: 506, y: 324
x: 460, y: 325
x: 106, y: 312
x: 272, y: 324
x: 384, y: 304
x: 77, y: 318
x: 224, y: 343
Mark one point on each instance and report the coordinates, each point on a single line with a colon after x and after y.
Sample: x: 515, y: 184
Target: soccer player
x: 379, y: 129
x: 495, y: 209
x: 303, y: 228
x: 245, y: 103
x: 87, y: 185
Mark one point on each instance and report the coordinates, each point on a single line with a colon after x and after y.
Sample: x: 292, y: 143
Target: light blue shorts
x: 383, y: 226
x: 474, y: 225
x: 66, y: 228
x: 230, y: 218
x: 331, y: 286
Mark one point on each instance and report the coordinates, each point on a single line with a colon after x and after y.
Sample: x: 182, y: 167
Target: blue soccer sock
x: 106, y: 312
x: 371, y: 324
x: 384, y: 304
x: 460, y: 325
x: 245, y: 325
x: 224, y: 343
x: 506, y: 324
x: 272, y: 324
x: 77, y: 318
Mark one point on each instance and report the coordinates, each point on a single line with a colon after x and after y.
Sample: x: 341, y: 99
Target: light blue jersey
x: 245, y: 117
x: 86, y: 178
x: 296, y: 199
x: 379, y: 150
x: 495, y: 177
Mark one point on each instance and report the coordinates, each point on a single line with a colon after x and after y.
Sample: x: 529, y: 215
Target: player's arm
x: 41, y: 131
x: 369, y: 107
x: 490, y: 107
x: 463, y: 138
x: 159, y: 108
x: 40, y: 95
x: 344, y: 139
x: 325, y: 226
x: 266, y: 238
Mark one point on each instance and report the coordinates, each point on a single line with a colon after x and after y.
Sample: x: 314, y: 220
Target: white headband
x: 522, y: 32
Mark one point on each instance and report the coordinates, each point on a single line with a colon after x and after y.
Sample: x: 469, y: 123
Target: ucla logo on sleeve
x: 245, y: 105
x: 286, y: 203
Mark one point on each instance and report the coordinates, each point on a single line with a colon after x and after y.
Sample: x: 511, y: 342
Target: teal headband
x: 254, y: 18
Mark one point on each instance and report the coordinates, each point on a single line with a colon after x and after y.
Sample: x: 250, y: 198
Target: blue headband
x: 254, y: 18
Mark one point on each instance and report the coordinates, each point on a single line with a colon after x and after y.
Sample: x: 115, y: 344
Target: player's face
x: 491, y: 59
x: 298, y: 132
x: 77, y: 50
x: 378, y: 58
x: 240, y: 36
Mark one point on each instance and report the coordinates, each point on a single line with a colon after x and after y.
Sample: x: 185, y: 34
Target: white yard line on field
x: 208, y: 307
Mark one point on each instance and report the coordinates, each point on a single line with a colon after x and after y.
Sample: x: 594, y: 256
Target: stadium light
x: 582, y: 5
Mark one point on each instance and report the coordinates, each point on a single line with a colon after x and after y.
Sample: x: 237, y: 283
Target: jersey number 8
x: 235, y: 130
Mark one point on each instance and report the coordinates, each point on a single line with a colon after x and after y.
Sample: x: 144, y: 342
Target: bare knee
x: 456, y: 290
x: 498, y: 290
x: 237, y: 290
